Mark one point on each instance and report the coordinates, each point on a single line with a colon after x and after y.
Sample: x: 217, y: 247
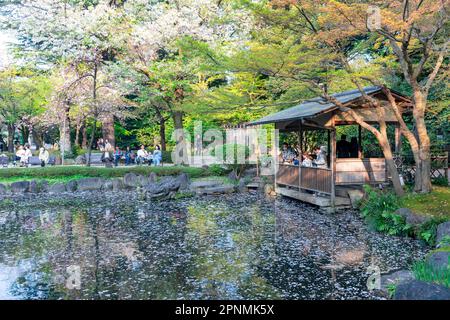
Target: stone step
x: 200, y: 184
x: 226, y: 188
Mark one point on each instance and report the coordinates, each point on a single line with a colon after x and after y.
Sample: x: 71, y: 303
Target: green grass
x: 423, y: 271
x: 435, y: 204
x: 63, y: 174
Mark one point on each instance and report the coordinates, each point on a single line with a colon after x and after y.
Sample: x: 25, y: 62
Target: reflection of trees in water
x: 226, y: 242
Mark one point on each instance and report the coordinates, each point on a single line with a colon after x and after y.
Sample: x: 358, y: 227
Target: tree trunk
x: 162, y: 134
x: 25, y: 134
x: 84, y: 141
x: 77, y: 135
x: 391, y: 167
x: 91, y: 143
x: 162, y: 128
x: 178, y: 119
x: 94, y: 121
x: 425, y: 144
x: 108, y: 129
x: 11, y: 132
x: 181, y: 148
x: 64, y: 133
x: 38, y: 138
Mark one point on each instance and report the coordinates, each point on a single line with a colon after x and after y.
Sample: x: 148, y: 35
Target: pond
x: 239, y: 246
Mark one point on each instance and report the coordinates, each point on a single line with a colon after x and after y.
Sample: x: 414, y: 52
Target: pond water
x: 241, y: 246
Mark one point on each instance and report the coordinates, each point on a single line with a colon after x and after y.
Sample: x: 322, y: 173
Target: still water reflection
x: 229, y: 247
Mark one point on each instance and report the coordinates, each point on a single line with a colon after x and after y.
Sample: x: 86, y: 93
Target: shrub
x: 166, y: 156
x: 238, y: 150
x: 441, y: 181
x: 427, y: 231
x: 217, y: 170
x: 378, y: 209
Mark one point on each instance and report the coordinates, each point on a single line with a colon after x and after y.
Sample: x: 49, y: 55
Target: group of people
x: 318, y: 160
x: 345, y: 149
x: 24, y: 153
x: 115, y: 155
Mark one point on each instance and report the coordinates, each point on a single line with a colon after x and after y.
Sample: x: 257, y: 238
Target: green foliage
x: 441, y: 181
x: 217, y: 170
x: 427, y: 231
x: 425, y: 272
x: 378, y: 209
x: 391, y: 288
x: 59, y: 171
x: 445, y: 242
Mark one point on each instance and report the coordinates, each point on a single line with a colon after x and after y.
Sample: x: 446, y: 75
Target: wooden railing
x: 288, y: 175
x: 360, y: 171
x: 314, y: 179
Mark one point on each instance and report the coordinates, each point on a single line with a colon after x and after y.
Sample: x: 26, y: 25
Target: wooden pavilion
x: 329, y: 187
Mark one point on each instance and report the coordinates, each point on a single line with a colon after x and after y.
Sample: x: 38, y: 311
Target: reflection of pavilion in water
x: 321, y: 243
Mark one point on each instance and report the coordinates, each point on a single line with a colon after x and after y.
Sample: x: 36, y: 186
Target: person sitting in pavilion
x: 307, y: 160
x: 321, y: 157
x: 287, y: 154
x: 343, y: 147
x: 354, y: 148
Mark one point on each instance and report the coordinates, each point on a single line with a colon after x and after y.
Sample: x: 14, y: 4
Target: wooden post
x: 329, y: 147
x: 333, y: 168
x: 360, y: 154
x: 275, y: 150
x: 300, y: 138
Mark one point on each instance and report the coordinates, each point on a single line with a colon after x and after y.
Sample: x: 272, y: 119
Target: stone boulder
x: 57, y: 188
x: 420, y: 290
x: 90, y: 184
x: 131, y: 180
x: 152, y: 177
x: 170, y: 183
x: 80, y: 160
x: 412, y: 218
x: 43, y: 186
x: 142, y: 181
x: 167, y: 187
x: 2, y: 188
x: 395, y: 278
x: 355, y: 197
x: 242, y: 185
x: 34, y: 187
x: 117, y: 184
x: 20, y: 187
x: 72, y: 186
x: 439, y: 260
x: 108, y: 185
x: 443, y: 230
x: 183, y: 180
